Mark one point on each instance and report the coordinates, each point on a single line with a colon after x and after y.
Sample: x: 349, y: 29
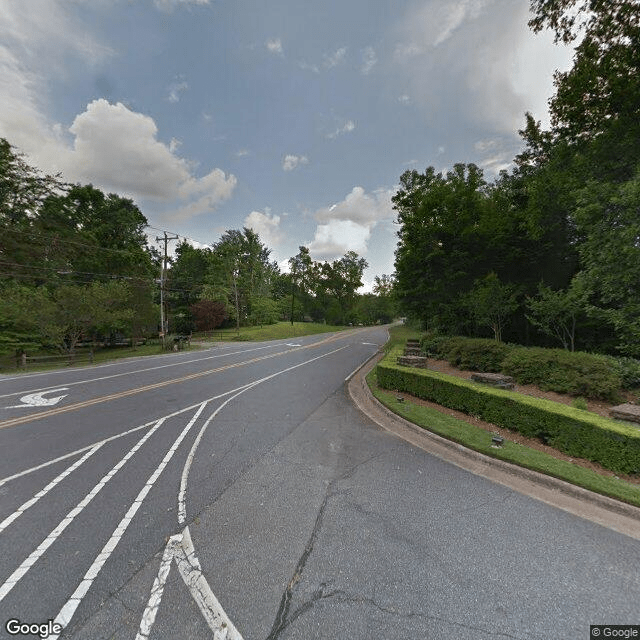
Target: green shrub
x: 582, y: 435
x: 477, y: 354
x: 575, y: 373
x: 435, y: 345
x: 629, y: 371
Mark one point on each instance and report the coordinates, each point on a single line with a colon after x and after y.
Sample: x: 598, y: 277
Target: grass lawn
x: 268, y: 332
x: 276, y: 331
x: 478, y: 439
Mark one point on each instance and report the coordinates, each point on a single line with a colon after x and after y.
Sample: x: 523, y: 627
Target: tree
x: 342, y: 279
x: 240, y: 264
x: 208, y: 314
x: 491, y: 303
x: 556, y: 313
x: 301, y: 278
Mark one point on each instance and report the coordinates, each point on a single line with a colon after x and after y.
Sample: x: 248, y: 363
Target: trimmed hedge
x: 577, y: 373
x: 612, y: 444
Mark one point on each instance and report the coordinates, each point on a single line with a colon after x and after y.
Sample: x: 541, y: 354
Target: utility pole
x: 163, y: 320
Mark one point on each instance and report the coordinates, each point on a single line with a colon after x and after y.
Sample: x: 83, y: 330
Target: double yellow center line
x: 12, y: 422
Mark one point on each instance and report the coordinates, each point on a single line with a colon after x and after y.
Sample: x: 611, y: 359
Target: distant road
x: 236, y: 492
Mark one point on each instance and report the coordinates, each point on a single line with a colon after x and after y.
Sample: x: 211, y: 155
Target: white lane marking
x: 183, y: 480
x: 151, y: 610
x: 119, y: 435
x: 29, y: 503
x: 66, y: 613
x: 38, y: 399
x: 15, y: 577
x: 289, y: 344
x: 187, y: 465
x: 129, y: 373
x: 180, y: 548
x: 191, y: 571
x: 372, y: 344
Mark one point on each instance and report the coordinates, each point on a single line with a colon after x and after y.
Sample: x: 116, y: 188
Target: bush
x: 477, y: 354
x: 575, y: 373
x: 629, y: 371
x: 613, y: 445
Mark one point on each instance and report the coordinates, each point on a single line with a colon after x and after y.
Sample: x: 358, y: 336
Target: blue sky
x: 294, y: 118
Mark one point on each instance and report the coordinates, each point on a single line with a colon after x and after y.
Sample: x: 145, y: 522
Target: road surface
x: 236, y: 492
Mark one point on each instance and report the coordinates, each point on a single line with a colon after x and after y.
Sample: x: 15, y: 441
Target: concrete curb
x: 606, y: 511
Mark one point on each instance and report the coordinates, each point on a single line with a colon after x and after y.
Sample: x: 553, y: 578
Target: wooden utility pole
x: 163, y: 316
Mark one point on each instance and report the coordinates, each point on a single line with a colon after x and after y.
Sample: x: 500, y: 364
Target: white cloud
x: 291, y: 162
x: 347, y: 225
x: 404, y: 99
x: 116, y: 148
x: 169, y: 5
x: 485, y: 145
x: 369, y: 60
x: 267, y: 226
x: 329, y: 61
x: 309, y: 67
x: 275, y: 46
x: 335, y: 238
x: 480, y: 54
x: 175, y: 89
x: 332, y: 60
x: 347, y: 127
x: 242, y: 153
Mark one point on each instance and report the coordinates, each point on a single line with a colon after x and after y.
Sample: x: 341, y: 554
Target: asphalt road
x: 237, y: 492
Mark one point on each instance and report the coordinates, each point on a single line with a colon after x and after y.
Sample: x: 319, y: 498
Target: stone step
x: 629, y: 412
x: 494, y: 379
x: 413, y: 343
x: 410, y: 351
x: 413, y: 361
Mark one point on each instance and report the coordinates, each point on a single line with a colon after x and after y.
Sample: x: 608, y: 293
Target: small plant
x: 580, y: 403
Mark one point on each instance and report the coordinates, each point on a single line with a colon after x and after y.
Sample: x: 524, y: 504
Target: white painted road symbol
x: 38, y: 399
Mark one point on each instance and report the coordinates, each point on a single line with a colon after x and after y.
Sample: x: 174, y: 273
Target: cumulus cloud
x: 291, y: 162
x: 267, y: 226
x: 36, y: 39
x: 118, y: 148
x: 108, y: 145
x: 347, y: 225
x: 369, y: 60
x: 335, y: 238
x: 275, y: 46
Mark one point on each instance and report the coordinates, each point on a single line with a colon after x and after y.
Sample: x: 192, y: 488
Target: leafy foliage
x: 577, y: 433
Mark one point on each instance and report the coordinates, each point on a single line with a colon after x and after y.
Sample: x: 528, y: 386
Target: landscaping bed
x: 577, y: 433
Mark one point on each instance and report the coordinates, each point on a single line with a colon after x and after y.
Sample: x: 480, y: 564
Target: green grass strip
x: 478, y: 439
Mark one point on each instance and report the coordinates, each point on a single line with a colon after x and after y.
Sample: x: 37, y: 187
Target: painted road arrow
x: 38, y: 399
